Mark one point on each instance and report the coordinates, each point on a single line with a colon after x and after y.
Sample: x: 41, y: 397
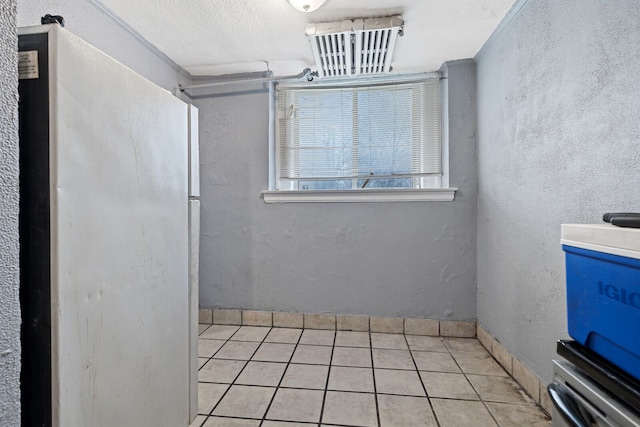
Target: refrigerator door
x: 194, y: 254
x: 119, y: 240
x: 194, y: 153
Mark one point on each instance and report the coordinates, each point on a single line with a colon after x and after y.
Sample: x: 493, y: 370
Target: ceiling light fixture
x: 307, y: 5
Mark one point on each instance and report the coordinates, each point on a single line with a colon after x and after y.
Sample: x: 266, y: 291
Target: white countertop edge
x: 600, y: 248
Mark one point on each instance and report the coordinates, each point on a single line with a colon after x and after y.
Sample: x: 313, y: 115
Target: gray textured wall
x: 87, y: 22
x: 9, y: 250
x: 386, y: 259
x: 559, y: 142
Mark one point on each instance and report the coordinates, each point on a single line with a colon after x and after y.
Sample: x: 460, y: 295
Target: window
x: 353, y: 139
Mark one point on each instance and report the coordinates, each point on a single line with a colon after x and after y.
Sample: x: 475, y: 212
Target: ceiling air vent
x: 354, y: 48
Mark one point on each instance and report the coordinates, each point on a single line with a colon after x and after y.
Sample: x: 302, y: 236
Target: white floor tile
x: 283, y: 384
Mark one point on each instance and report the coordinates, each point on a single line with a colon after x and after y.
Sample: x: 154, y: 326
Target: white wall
x: 558, y: 142
x: 9, y: 251
x: 85, y: 20
x: 386, y: 259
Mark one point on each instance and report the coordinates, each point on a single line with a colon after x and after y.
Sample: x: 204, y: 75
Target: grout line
x: 484, y: 404
x: 326, y: 386
x: 278, y: 386
x: 424, y: 387
x: 246, y: 362
x: 203, y: 421
x: 373, y: 373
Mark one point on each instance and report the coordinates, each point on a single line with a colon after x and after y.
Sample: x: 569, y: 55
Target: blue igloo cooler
x: 603, y: 291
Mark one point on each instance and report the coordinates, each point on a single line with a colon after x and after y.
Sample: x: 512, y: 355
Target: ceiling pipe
x: 305, y: 73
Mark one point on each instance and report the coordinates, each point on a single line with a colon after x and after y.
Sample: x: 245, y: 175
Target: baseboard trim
x: 530, y: 383
x: 397, y: 325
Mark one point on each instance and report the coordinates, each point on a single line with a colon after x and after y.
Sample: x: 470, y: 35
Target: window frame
x: 438, y: 193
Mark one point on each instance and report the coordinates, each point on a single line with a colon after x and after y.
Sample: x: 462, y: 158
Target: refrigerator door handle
x: 567, y: 406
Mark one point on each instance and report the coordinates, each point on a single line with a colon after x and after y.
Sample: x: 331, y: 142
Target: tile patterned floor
x: 275, y: 377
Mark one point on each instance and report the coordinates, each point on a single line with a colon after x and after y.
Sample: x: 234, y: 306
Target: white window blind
x: 381, y: 136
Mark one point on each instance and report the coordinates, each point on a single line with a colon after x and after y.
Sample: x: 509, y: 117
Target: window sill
x: 361, y: 196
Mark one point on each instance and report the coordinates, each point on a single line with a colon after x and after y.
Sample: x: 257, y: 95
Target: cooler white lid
x: 603, y: 238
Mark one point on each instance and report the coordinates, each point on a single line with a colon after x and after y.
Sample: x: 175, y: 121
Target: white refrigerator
x: 106, y: 212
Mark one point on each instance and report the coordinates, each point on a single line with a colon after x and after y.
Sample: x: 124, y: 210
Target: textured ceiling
x: 213, y: 37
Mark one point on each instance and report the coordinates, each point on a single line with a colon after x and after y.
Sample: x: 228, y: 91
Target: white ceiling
x: 213, y: 37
